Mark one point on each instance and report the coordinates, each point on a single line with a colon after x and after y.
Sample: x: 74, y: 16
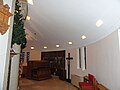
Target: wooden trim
x: 101, y: 87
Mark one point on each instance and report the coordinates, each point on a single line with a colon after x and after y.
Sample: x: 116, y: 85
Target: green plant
x: 18, y: 36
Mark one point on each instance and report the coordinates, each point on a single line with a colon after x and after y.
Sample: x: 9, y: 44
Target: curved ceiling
x: 59, y: 21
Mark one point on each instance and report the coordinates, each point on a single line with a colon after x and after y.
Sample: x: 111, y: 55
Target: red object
x: 87, y: 85
x: 90, y: 76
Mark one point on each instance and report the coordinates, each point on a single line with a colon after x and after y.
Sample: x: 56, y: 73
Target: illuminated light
x: 57, y: 46
x: 32, y: 48
x: 28, y: 17
x: 45, y: 47
x: 70, y: 43
x: 99, y: 23
x: 83, y: 37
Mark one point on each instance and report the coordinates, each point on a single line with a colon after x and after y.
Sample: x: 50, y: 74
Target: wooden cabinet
x: 57, y: 62
x: 38, y: 70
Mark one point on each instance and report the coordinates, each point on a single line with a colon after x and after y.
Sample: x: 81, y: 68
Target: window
x: 81, y: 58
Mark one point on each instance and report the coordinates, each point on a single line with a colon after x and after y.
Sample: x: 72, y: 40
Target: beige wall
x: 103, y: 61
x: 35, y: 55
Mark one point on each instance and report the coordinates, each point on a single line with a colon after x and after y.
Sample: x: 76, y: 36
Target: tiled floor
x: 50, y: 84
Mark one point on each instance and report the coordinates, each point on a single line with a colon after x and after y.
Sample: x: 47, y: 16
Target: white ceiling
x: 59, y: 21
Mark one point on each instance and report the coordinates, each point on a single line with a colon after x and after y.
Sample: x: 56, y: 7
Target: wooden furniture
x: 4, y: 16
x: 56, y: 60
x: 101, y: 87
x: 38, y: 70
x: 91, y: 84
x: 86, y: 78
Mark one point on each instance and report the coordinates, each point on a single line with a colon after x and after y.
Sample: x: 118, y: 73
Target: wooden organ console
x: 38, y: 70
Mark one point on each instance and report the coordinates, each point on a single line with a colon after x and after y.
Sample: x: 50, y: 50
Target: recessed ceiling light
x: 32, y: 48
x: 45, y: 47
x: 28, y: 17
x: 83, y: 37
x: 99, y: 23
x: 30, y: 2
x: 57, y: 46
x: 70, y: 43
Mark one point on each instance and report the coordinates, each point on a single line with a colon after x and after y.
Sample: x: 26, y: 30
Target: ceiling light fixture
x: 99, y: 23
x: 45, y: 47
x: 57, y: 46
x: 32, y: 47
x: 30, y: 2
x: 83, y: 37
x: 70, y: 43
x: 28, y: 17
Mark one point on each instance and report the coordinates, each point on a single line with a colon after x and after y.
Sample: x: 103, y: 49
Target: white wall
x: 5, y: 43
x: 14, y: 68
x: 103, y: 61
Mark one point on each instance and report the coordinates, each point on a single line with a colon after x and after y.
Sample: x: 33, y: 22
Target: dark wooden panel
x: 57, y: 62
x: 38, y: 70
